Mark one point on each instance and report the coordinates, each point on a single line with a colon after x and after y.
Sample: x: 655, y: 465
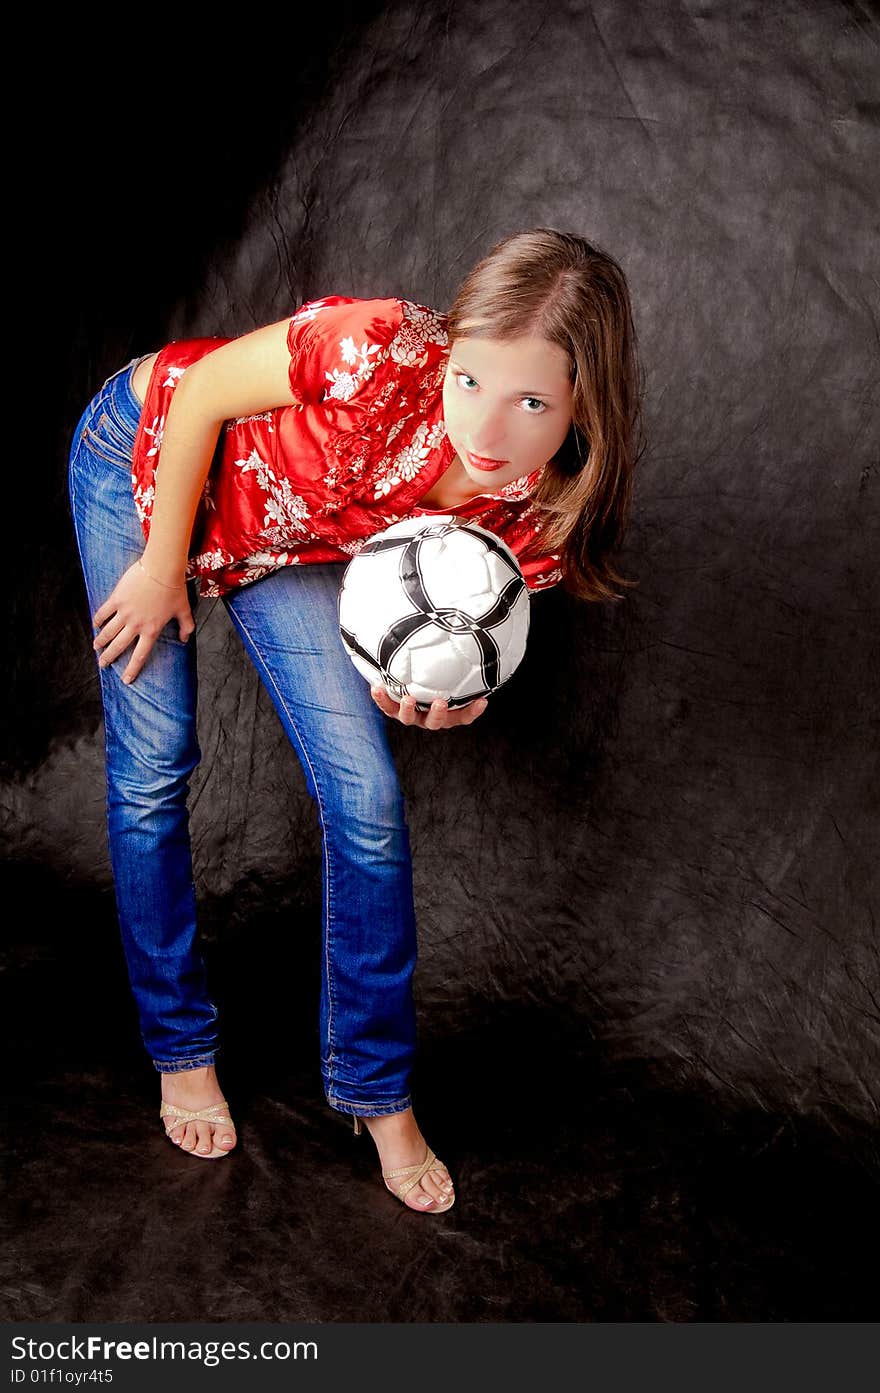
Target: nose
x: 486, y: 434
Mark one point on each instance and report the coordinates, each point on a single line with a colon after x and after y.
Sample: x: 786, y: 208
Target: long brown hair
x: 559, y: 286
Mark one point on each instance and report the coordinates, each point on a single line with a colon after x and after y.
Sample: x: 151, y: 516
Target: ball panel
x: 439, y: 666
x: 455, y: 567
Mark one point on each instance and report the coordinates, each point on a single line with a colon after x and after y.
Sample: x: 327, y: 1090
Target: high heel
x: 411, y: 1177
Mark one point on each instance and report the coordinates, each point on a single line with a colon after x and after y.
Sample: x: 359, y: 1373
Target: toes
x: 434, y: 1191
x: 439, y: 1184
x: 203, y: 1138
x: 418, y: 1198
x: 205, y: 1144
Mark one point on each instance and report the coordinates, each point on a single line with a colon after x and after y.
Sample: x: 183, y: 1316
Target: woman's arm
x: 248, y: 375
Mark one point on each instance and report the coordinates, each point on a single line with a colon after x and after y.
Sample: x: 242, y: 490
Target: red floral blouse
x: 362, y: 442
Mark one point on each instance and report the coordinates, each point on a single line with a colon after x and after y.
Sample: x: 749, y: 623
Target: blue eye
x: 536, y: 403
x: 462, y: 379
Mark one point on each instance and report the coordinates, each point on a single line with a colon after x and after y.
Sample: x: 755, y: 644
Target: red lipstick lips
x: 480, y: 462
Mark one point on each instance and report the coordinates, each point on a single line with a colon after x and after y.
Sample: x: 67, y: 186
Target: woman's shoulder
x: 338, y: 342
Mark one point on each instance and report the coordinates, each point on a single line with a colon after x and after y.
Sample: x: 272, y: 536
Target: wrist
x: 165, y: 581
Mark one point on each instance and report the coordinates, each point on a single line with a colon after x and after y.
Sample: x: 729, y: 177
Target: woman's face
x: 507, y: 406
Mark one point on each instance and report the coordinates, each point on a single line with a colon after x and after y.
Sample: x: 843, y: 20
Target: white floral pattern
x: 396, y: 429
x: 209, y: 561
x: 310, y: 310
x: 420, y: 327
x: 143, y: 500
x: 267, y: 416
x: 521, y: 487
x: 261, y: 563
x: 412, y: 458
x: 284, y: 510
x: 542, y: 579
x: 345, y: 384
x: 256, y: 464
x: 155, y: 432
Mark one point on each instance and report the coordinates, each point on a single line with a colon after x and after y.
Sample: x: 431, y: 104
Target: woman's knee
x: 369, y: 809
x: 146, y: 788
x: 151, y: 753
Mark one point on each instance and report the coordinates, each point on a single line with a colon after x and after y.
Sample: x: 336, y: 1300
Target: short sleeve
x: 337, y: 343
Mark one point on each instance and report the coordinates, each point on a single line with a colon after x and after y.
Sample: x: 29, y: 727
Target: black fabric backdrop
x: 656, y: 852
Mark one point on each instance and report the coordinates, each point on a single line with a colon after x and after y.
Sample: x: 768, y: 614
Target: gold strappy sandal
x: 414, y: 1174
x: 209, y: 1114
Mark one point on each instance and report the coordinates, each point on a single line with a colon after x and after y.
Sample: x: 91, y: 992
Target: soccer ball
x: 435, y: 607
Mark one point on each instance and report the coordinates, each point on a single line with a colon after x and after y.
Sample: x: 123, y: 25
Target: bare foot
x: 400, y: 1143
x: 195, y: 1090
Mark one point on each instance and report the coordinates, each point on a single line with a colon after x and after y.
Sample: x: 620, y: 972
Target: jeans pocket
x: 108, y: 439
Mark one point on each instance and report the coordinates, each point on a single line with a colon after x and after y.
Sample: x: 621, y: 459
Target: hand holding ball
x: 435, y: 608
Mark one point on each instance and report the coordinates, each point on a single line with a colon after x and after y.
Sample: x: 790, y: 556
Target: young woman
x: 253, y: 469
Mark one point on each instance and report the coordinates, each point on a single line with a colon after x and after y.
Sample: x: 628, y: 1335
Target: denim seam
x: 180, y: 1066
x: 102, y: 450
x: 368, y: 1109
x: 327, y: 901
x: 104, y: 403
x: 117, y: 449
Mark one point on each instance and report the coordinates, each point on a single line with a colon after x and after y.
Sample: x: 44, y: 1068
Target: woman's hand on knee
x: 437, y: 717
x: 135, y: 614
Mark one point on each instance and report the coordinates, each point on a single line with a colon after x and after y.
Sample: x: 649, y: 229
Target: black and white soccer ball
x: 435, y: 607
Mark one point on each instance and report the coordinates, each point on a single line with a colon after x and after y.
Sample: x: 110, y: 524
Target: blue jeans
x: 289, y: 626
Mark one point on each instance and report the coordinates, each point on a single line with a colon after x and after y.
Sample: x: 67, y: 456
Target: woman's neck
x: 452, y: 488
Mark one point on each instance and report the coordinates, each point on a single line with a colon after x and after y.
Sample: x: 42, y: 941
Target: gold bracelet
x: 156, y: 581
